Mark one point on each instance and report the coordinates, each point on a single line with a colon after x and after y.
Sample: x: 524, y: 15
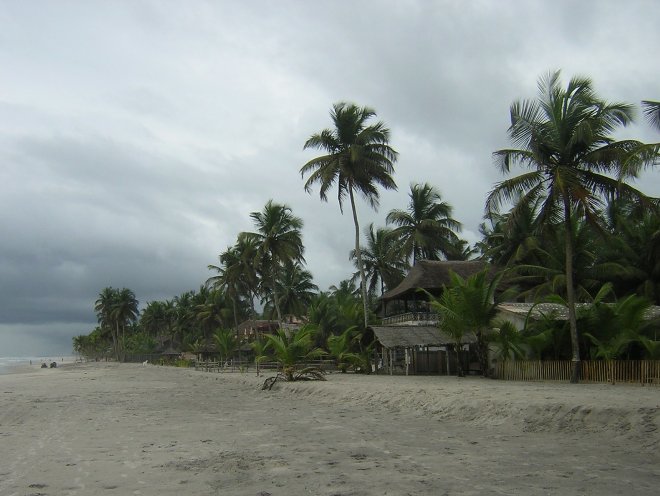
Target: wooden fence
x: 591, y: 371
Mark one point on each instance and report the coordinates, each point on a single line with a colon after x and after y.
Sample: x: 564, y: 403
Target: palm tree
x: 565, y: 140
x: 425, y: 229
x: 449, y: 307
x: 125, y: 311
x: 384, y: 264
x: 358, y: 159
x: 115, y: 308
x: 279, y: 242
x: 652, y: 112
x: 340, y: 347
x: 103, y: 307
x: 468, y: 306
x: 295, y: 290
x: 213, y: 311
x: 236, y: 274
x: 226, y: 344
x: 634, y: 245
x: 508, y: 341
x: 291, y: 349
x: 511, y: 238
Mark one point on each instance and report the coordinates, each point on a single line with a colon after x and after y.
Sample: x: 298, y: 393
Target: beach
x: 107, y: 428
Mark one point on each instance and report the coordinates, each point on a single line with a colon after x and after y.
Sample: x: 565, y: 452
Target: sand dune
x: 128, y: 429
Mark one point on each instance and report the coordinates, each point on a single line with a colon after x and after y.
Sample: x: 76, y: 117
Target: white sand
x: 127, y: 429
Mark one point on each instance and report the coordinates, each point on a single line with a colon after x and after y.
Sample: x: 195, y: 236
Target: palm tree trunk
x: 358, y: 256
x: 570, y: 292
x: 117, y: 345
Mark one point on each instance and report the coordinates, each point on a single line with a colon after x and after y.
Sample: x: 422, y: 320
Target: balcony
x: 412, y: 318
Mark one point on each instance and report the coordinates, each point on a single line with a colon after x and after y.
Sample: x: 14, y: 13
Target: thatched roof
x: 408, y: 336
x: 432, y: 276
x: 258, y: 325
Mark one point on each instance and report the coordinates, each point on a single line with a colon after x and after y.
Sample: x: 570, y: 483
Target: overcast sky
x: 137, y: 136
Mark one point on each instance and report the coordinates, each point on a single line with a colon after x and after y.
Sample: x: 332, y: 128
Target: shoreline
x: 153, y: 430
x: 16, y: 365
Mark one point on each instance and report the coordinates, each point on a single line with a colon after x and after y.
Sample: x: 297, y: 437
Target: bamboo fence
x: 591, y: 371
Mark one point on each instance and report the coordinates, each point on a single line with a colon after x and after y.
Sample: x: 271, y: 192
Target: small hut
x: 418, y: 349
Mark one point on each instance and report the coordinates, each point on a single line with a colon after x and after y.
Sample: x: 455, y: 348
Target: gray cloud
x: 136, y: 137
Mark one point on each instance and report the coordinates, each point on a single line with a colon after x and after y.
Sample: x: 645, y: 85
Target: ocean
x: 6, y: 363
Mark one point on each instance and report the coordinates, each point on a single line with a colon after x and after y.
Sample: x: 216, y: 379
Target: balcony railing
x: 414, y: 318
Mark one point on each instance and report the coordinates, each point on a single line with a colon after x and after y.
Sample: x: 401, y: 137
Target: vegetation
x: 425, y: 230
x: 358, y: 158
x: 293, y: 349
x: 569, y: 227
x: 565, y: 139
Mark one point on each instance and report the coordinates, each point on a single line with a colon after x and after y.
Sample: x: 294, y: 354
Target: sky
x: 137, y: 136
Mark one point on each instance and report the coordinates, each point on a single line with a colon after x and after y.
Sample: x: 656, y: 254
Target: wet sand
x: 126, y: 429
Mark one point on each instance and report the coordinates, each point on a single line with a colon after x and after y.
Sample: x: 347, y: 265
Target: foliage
x: 340, y: 348
x: 425, y: 230
x: 278, y: 242
x: 508, y: 341
x: 468, y: 306
x: 565, y: 141
x: 614, y: 328
x: 115, y: 309
x: 357, y: 158
x: 291, y: 349
x: 226, y: 343
x: 384, y: 263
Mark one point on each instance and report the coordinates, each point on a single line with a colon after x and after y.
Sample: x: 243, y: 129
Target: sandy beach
x: 104, y: 428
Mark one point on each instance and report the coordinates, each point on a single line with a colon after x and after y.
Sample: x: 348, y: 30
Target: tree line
x: 568, y: 224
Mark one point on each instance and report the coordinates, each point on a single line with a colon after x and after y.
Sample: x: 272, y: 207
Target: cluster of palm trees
x: 567, y: 224
x: 116, y: 310
x: 564, y: 140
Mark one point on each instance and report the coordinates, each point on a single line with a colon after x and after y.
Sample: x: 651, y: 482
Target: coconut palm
x: 103, y: 307
x: 291, y: 349
x: 565, y: 139
x: 449, y: 307
x: 236, y: 274
x: 213, y: 311
x: 384, y: 264
x: 125, y: 311
x: 341, y: 346
x: 278, y: 242
x: 634, y: 245
x: 652, y: 112
x: 511, y: 238
x: 425, y: 229
x: 358, y: 158
x: 295, y: 290
x: 508, y: 341
x: 226, y: 343
x: 467, y: 306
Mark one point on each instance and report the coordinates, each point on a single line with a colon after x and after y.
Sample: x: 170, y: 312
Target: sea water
x: 7, y: 363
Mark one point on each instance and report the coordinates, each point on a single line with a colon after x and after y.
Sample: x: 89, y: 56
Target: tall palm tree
x: 236, y: 275
x: 358, y: 158
x: 213, y: 312
x: 279, y: 242
x: 384, y: 264
x: 104, y: 307
x: 565, y: 139
x: 425, y: 229
x: 125, y: 311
